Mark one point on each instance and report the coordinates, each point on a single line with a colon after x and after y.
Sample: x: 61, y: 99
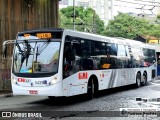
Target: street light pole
x: 74, y: 27
x: 93, y: 28
x: 111, y: 9
x: 85, y: 24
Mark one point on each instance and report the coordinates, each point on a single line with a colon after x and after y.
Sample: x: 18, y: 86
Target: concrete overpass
x: 20, y: 15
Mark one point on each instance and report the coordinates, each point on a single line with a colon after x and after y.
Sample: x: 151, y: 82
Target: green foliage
x: 130, y: 27
x: 123, y: 25
x: 158, y: 17
x: 155, y: 31
x: 86, y: 18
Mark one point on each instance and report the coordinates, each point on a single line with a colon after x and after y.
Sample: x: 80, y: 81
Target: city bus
x: 61, y: 62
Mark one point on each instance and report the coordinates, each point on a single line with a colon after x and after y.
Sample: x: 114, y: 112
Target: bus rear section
x: 150, y: 61
x: 158, y: 63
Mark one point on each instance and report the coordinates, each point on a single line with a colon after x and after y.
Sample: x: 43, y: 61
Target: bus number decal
x: 44, y: 35
x: 83, y: 75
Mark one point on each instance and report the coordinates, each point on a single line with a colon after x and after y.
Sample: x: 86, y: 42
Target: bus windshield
x: 36, y: 56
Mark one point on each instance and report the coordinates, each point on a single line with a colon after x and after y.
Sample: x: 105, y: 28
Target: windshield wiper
x: 25, y: 53
x: 19, y: 48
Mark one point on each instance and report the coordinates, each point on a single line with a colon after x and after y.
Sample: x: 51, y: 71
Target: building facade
x: 20, y: 15
x: 102, y: 7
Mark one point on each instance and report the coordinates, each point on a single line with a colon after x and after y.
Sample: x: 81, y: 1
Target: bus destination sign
x: 40, y: 35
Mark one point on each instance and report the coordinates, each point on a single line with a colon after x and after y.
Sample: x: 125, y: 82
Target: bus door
x: 72, y: 56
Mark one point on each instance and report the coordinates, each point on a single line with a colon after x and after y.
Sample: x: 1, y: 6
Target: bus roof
x: 102, y: 38
x: 42, y: 30
x: 85, y: 35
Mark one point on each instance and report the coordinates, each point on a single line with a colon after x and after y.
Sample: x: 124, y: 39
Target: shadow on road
x: 63, y: 101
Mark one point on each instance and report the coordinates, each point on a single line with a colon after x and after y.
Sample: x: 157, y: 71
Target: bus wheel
x: 92, y: 89
x: 144, y: 82
x: 138, y: 80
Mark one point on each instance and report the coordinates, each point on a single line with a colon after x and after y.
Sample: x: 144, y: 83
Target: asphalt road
x: 79, y: 107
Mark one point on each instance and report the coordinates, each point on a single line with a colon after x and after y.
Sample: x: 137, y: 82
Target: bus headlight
x: 14, y: 81
x: 54, y: 80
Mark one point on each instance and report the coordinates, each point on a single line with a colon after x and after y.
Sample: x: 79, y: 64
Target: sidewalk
x: 5, y: 93
x: 157, y: 78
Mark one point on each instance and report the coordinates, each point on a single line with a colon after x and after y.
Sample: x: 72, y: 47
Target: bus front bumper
x: 53, y: 90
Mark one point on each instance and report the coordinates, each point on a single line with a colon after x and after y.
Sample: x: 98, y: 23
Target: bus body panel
x: 54, y: 90
x: 22, y: 86
x: 76, y: 85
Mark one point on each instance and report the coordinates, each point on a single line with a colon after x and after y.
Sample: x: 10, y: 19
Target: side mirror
x: 4, y: 50
x: 5, y: 43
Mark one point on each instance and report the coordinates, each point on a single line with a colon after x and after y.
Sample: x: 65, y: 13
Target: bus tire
x: 144, y: 82
x: 138, y: 80
x: 92, y: 89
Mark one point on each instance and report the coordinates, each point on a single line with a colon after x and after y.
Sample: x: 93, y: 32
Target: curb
x: 6, y: 95
x: 148, y: 99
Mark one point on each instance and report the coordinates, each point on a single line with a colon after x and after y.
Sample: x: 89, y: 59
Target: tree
x: 155, y: 31
x: 85, y: 19
x: 130, y: 27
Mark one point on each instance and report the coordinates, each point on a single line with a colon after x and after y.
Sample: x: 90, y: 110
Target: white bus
x: 59, y: 62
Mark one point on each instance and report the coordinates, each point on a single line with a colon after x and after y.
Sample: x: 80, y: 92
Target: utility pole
x: 74, y: 27
x: 91, y: 31
x: 93, y: 28
x: 111, y: 9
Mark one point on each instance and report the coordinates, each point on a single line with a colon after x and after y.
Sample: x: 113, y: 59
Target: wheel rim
x: 144, y: 79
x: 93, y: 88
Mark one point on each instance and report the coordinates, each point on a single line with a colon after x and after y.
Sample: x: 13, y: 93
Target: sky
x: 134, y: 6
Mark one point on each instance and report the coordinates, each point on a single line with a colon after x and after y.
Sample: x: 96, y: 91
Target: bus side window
x: 100, y: 53
x: 87, y: 53
x: 111, y: 55
x: 121, y: 56
x: 76, y: 54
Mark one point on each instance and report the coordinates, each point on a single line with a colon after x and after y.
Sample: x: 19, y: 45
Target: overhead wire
x: 142, y: 6
x: 137, y: 3
x: 145, y: 1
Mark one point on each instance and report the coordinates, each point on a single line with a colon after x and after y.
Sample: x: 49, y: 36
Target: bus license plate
x: 33, y: 92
